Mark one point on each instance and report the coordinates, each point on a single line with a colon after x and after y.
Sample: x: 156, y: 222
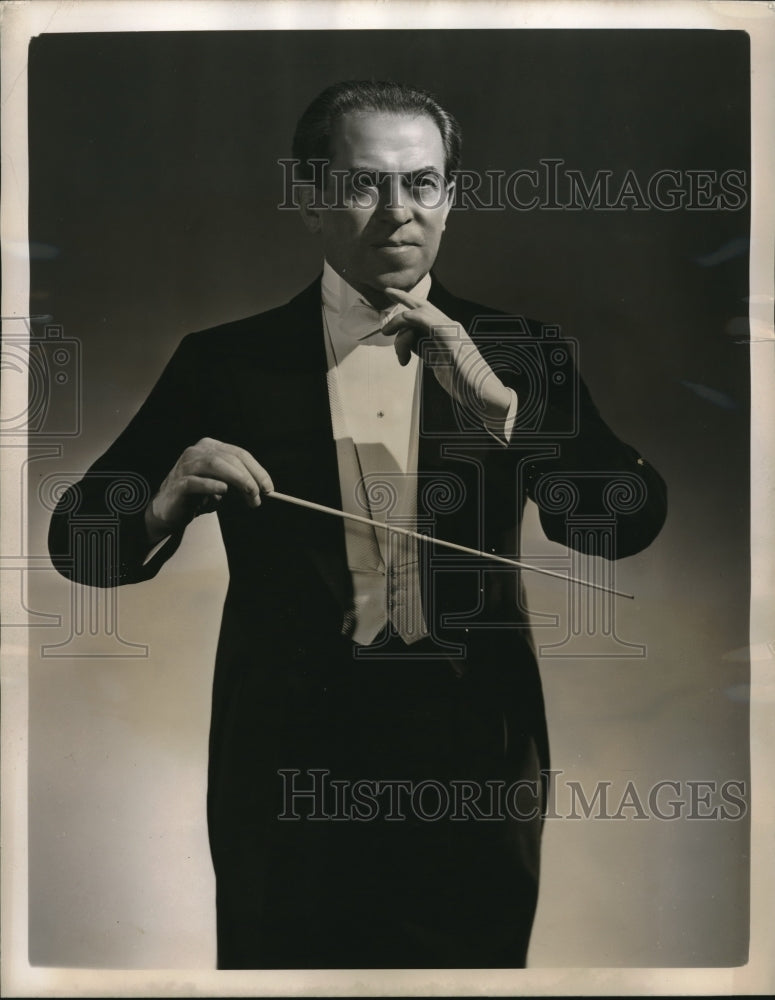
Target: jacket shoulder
x: 252, y: 332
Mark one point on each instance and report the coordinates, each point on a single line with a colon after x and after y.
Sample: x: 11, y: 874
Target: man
x: 361, y: 672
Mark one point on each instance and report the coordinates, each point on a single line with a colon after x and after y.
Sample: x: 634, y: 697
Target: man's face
x: 386, y: 209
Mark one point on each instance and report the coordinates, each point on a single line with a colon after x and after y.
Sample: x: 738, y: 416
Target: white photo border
x: 21, y: 22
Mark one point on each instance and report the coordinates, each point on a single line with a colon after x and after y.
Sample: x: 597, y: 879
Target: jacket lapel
x: 294, y: 356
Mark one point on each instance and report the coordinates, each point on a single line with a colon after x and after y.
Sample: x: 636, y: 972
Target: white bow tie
x: 361, y: 320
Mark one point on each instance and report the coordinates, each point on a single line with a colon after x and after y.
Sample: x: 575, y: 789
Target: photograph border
x: 23, y: 21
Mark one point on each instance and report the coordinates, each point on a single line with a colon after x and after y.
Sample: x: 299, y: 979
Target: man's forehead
x: 388, y: 141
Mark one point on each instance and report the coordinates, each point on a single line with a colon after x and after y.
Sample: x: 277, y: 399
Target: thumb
x: 403, y: 344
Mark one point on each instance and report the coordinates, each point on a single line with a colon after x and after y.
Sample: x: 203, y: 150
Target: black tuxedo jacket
x: 261, y: 383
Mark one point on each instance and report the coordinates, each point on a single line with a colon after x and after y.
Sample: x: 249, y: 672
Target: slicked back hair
x: 312, y: 139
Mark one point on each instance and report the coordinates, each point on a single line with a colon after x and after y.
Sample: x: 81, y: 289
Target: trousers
x: 385, y: 846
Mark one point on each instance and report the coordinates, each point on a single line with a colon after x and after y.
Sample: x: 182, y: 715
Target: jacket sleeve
x: 578, y: 472
x: 97, y: 531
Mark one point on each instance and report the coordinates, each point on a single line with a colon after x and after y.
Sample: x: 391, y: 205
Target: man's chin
x: 404, y: 280
x: 377, y: 296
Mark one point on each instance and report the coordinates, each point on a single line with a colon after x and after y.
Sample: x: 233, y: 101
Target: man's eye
x: 361, y: 188
x: 428, y: 189
x: 363, y: 179
x: 427, y: 181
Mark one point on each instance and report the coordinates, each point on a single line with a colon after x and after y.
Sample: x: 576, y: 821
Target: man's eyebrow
x: 431, y: 169
x: 413, y: 172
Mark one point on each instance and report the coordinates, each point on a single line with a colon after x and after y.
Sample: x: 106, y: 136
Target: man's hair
x: 312, y: 139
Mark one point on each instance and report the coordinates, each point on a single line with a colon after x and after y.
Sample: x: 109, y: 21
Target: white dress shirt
x: 375, y: 416
x: 375, y: 408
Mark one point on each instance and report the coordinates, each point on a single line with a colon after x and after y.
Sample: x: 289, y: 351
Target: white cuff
x: 502, y: 431
x: 155, y: 549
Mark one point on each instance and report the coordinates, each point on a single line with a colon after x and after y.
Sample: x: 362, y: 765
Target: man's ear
x: 450, y: 200
x: 310, y: 207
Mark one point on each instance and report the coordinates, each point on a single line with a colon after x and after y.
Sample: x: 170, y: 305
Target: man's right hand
x: 207, y: 469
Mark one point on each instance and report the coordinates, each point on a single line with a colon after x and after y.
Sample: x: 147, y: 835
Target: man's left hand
x: 457, y: 362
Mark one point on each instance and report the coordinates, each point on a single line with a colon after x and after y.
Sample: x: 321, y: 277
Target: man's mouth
x: 395, y: 245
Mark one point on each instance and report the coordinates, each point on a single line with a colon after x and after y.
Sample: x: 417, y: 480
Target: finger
x: 401, y: 321
x: 209, y: 446
x: 257, y: 471
x: 195, y: 493
x: 227, y: 466
x: 408, y: 300
x: 204, y: 486
x: 403, y: 344
x: 207, y: 504
x: 202, y: 495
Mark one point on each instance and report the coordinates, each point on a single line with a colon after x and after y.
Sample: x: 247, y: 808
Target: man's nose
x: 394, y: 201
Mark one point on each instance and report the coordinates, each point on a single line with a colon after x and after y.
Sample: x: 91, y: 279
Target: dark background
x: 154, y: 188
